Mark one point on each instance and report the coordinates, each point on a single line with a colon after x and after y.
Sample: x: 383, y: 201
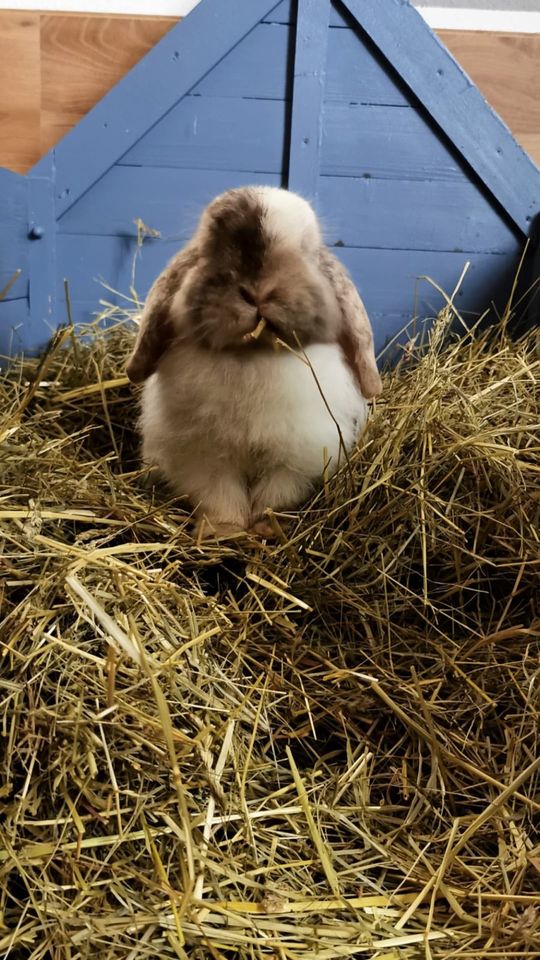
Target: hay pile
x: 325, y: 747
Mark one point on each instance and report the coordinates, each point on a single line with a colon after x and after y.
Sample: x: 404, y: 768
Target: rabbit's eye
x: 247, y: 295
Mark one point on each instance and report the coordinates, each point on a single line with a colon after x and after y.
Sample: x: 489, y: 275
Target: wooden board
x: 169, y: 71
x: 55, y: 67
x: 455, y: 105
x: 82, y: 58
x: 506, y: 68
x: 210, y: 132
x: 387, y: 142
x: 13, y: 235
x: 166, y: 199
x: 310, y: 60
x: 392, y: 280
x: 14, y: 320
x: 20, y: 90
x: 214, y: 133
x: 360, y: 211
x: 412, y: 215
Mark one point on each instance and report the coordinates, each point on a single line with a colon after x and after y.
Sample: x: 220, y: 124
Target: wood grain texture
x: 56, y: 67
x: 170, y: 70
x: 82, y: 58
x: 506, y: 68
x: 20, y: 81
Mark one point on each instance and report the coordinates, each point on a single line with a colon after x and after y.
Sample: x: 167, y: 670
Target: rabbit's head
x: 257, y: 254
x: 258, y: 258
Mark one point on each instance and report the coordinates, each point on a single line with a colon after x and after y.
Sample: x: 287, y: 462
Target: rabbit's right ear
x: 156, y: 328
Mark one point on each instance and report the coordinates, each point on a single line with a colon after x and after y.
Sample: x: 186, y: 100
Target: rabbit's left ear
x: 355, y: 336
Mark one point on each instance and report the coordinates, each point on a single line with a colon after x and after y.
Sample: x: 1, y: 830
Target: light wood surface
x: 506, y: 68
x: 55, y: 67
x: 82, y: 57
x: 20, y: 84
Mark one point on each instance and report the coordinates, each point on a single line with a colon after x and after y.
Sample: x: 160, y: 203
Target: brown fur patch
x: 236, y: 233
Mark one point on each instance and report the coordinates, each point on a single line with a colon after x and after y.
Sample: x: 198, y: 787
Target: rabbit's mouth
x: 265, y: 333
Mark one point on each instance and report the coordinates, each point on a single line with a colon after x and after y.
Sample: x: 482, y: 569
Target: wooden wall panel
x: 82, y: 57
x: 55, y: 67
x: 506, y: 68
x: 20, y: 89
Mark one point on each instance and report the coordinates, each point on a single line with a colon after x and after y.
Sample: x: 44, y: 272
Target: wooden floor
x: 55, y: 67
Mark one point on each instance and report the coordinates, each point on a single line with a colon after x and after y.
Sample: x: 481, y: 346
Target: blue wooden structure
x: 355, y: 104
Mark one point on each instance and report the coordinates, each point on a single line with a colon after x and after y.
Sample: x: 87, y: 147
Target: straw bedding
x: 321, y: 747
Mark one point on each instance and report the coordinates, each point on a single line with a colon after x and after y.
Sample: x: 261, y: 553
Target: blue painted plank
x: 308, y: 93
x: 388, y: 280
x: 42, y: 224
x: 166, y: 199
x: 410, y: 215
x: 259, y: 67
x: 13, y: 232
x: 14, y: 316
x: 90, y: 262
x: 385, y: 142
x: 356, y: 74
x: 341, y: 18
x: 285, y: 12
x: 83, y: 311
x: 9, y: 181
x: 445, y: 215
x: 455, y: 104
x: 216, y: 133
x: 390, y: 329
x: 185, y: 55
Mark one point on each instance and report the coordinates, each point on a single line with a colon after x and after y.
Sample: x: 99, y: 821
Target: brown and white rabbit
x: 229, y: 421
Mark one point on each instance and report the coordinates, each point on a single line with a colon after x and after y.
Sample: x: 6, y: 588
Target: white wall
x: 520, y: 16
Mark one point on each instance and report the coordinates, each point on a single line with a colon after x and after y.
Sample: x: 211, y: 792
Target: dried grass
x: 324, y: 747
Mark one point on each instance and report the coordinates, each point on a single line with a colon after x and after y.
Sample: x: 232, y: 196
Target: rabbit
x: 229, y: 421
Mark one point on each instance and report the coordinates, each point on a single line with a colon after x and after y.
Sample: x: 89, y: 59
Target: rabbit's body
x: 258, y: 420
x: 231, y: 423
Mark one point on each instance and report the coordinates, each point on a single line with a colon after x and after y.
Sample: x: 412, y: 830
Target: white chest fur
x: 274, y: 405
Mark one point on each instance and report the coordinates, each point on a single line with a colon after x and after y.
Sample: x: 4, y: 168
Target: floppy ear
x: 355, y: 336
x: 156, y: 328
